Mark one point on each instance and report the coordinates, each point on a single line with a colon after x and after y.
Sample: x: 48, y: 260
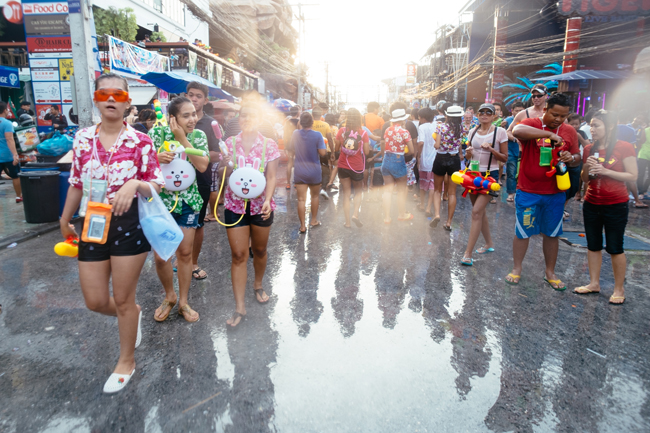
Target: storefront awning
x: 587, y: 75
x: 142, y: 95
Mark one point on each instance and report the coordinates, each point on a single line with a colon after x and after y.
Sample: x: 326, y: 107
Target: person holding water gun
x: 487, y: 145
x: 112, y: 246
x: 184, y: 205
x: 539, y: 202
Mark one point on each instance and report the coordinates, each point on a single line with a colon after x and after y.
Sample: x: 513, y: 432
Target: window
x: 157, y: 5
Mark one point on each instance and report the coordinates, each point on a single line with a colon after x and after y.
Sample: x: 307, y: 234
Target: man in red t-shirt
x: 539, y: 203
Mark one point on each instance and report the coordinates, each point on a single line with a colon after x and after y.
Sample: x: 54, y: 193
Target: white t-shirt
x: 587, y: 130
x: 425, y: 135
x: 483, y: 155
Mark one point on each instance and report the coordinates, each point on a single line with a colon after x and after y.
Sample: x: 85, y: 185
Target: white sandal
x: 138, y: 339
x: 117, y: 382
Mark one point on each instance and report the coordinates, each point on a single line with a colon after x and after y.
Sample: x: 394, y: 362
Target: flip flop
x: 616, y: 298
x: 138, y: 339
x: 484, y: 250
x: 434, y: 222
x: 510, y: 199
x: 513, y: 276
x: 196, y: 274
x: 583, y: 290
x: 357, y: 222
x: 428, y: 214
x: 302, y: 232
x: 388, y: 222
x: 259, y: 292
x: 557, y: 283
x: 464, y: 261
x: 163, y: 306
x: 639, y: 206
x: 407, y: 218
x: 117, y: 382
x: 186, y: 309
x: 446, y: 227
x: 288, y: 186
x: 313, y: 226
x: 234, y: 317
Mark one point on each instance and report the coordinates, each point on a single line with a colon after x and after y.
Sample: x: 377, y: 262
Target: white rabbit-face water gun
x: 179, y: 174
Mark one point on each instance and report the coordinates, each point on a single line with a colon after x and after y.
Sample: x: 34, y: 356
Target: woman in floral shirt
x: 252, y: 219
x: 393, y: 168
x: 124, y: 160
x: 449, y: 136
x: 185, y: 209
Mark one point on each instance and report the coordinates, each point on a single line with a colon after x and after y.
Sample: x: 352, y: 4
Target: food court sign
x: 604, y: 7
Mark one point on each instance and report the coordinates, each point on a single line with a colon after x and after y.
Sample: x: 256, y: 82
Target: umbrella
x: 176, y: 82
x: 284, y: 105
x: 223, y: 104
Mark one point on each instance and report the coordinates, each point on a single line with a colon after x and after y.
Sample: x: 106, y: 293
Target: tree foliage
x: 155, y: 35
x: 120, y: 23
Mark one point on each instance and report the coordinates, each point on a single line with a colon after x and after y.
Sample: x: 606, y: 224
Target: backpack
x: 352, y: 142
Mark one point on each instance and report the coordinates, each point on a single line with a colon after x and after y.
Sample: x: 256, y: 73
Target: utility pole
x: 327, y: 83
x: 81, y: 16
x: 301, y: 20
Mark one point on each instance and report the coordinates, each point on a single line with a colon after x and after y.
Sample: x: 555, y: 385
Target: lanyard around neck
x: 95, y: 154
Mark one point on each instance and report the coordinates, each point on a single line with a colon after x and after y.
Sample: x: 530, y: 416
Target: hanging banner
x: 411, y: 73
x: 599, y: 7
x: 218, y: 74
x: 132, y: 61
x: 210, y: 71
x: 191, y: 62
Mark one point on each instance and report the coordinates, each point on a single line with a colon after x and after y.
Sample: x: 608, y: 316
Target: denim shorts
x: 539, y: 213
x: 393, y: 165
x: 187, y: 218
x: 612, y: 218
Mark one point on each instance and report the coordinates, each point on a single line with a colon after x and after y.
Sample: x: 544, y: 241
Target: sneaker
x: 19, y: 199
x: 323, y: 194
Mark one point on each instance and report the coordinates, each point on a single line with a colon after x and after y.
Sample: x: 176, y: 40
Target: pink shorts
x: 426, y: 180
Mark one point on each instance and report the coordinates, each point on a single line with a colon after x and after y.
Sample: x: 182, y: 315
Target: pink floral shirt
x: 237, y: 204
x: 134, y: 158
x: 396, y: 138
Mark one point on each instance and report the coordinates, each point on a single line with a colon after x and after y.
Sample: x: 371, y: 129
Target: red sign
x: 411, y: 73
x: 53, y: 44
x: 603, y: 7
x: 13, y: 12
x: 45, y: 8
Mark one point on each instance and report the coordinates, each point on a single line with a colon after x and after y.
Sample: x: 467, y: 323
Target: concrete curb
x: 31, y: 234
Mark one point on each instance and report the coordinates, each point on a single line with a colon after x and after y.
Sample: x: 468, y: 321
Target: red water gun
x: 69, y: 248
x: 474, y: 183
x: 558, y: 167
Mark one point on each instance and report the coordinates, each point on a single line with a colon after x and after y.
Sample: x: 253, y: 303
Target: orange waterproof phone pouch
x: 96, y: 223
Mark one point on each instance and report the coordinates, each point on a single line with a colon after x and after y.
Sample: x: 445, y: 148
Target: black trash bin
x: 40, y: 196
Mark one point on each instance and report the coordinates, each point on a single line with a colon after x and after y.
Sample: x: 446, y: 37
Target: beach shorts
x: 426, y: 181
x: 539, y: 213
x: 231, y: 217
x: 446, y: 164
x: 393, y: 165
x: 187, y: 219
x: 125, y: 238
x: 11, y: 169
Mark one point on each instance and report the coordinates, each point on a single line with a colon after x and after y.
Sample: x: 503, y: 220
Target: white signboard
x: 47, y: 93
x: 66, y: 92
x: 45, y: 74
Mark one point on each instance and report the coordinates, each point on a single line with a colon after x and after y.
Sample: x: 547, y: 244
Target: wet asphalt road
x: 377, y: 329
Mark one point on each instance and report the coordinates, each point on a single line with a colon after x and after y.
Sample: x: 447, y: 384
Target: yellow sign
x: 65, y: 69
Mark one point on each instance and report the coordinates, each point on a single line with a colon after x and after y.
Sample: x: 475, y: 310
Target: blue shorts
x: 539, y: 213
x: 393, y: 165
x: 187, y: 219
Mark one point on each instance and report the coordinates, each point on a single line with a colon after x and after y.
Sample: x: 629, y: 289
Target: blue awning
x: 9, y: 77
x: 176, y: 82
x: 587, y: 75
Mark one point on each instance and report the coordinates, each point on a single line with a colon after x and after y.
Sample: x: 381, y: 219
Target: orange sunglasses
x: 119, y: 95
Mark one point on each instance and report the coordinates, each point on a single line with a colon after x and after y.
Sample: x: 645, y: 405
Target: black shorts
x: 231, y: 217
x: 446, y: 164
x: 204, y: 192
x: 125, y: 238
x: 11, y: 169
x: 345, y: 173
x: 611, y: 217
x: 377, y: 177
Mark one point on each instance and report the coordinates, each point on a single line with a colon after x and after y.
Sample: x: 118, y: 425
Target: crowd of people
x: 374, y: 156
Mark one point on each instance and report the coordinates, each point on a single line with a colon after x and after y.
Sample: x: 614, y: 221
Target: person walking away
x: 393, y: 169
x: 609, y: 163
x: 449, y: 136
x: 626, y: 133
x: 309, y: 147
x: 539, y: 203
x: 122, y: 162
x: 488, y: 144
x: 9, y: 162
x: 326, y: 131
x: 198, y: 94
x: 575, y: 168
x: 184, y: 205
x: 426, y: 157
x: 371, y: 118
x: 643, y: 162
x: 513, y: 152
x: 353, y: 144
x: 290, y: 125
x: 146, y: 120
x: 249, y: 220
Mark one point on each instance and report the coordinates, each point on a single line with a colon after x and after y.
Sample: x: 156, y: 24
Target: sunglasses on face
x: 485, y: 113
x: 537, y: 96
x: 118, y: 95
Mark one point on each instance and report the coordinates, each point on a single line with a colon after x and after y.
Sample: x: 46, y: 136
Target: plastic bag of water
x: 158, y: 225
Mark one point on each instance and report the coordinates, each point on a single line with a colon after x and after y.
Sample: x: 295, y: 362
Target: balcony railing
x: 13, y: 54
